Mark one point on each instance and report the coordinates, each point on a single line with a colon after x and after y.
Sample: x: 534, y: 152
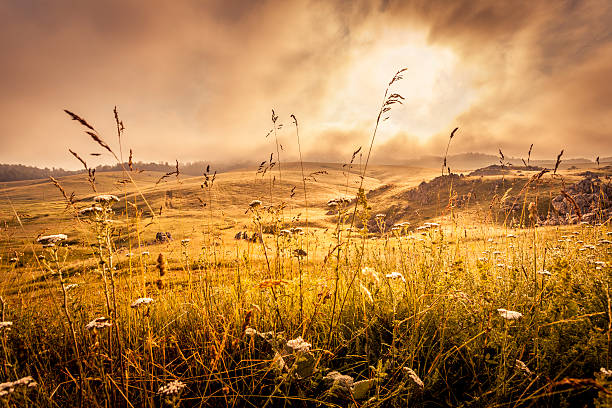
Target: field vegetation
x: 302, y: 284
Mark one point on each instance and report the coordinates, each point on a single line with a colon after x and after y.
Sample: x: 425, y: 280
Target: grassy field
x: 325, y: 305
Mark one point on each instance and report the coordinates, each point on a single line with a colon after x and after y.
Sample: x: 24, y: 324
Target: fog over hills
x: 458, y: 162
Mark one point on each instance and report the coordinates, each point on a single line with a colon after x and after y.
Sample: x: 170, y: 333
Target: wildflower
x: 509, y: 314
x: 141, y: 301
x: 544, y: 272
x: 395, y: 275
x: 285, y: 232
x: 379, y: 216
x: 510, y: 236
x: 9, y: 387
x: 523, y: 367
x: 70, y: 286
x: 606, y: 372
x: 297, y: 230
x: 91, y: 210
x: 185, y: 241
x: 172, y: 388
x: 51, y: 239
x: 370, y: 273
x: 129, y: 254
x: 105, y: 198
x: 254, y: 204
x: 4, y: 325
x: 14, y: 260
x: 98, y: 323
x: 249, y: 331
x: 414, y: 377
x: 298, y: 344
x: 145, y: 253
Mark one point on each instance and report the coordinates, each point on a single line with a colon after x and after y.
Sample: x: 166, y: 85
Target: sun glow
x: 436, y: 87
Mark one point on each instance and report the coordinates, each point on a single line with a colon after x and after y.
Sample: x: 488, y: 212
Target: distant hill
x: 18, y: 172
x: 473, y: 161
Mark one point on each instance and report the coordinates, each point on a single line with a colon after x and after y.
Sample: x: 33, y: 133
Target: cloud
x: 197, y: 80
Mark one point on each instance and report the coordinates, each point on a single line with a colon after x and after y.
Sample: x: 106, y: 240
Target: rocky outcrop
x: 588, y: 200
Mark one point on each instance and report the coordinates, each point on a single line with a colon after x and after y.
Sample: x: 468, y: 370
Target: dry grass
x: 470, y: 305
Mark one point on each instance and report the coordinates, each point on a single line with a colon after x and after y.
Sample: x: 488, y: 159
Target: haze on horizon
x: 196, y: 80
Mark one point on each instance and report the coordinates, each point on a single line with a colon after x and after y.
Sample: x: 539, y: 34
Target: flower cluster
x: 172, y: 388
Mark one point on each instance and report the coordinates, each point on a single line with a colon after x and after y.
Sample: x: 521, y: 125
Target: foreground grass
x: 316, y: 319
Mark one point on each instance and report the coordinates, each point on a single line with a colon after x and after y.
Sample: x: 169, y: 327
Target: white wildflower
x: 70, y: 286
x: 249, y: 331
x: 91, y: 210
x: 509, y: 314
x: 9, y: 387
x: 4, y: 325
x: 98, y: 323
x: 172, y: 388
x: 379, y: 216
x: 298, y: 344
x: 141, y: 301
x: 255, y: 204
x: 606, y: 372
x: 185, y: 241
x: 51, y: 239
x: 144, y: 253
x: 414, y: 377
x: 544, y: 272
x: 395, y: 275
x: 105, y: 198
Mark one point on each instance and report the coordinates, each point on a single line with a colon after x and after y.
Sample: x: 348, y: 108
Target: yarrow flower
x: 509, y: 314
x: 395, y: 275
x: 606, y: 372
x: 255, y: 204
x: 249, y: 331
x: 70, y: 286
x: 105, y: 198
x: 9, y: 387
x: 4, y: 325
x: 414, y: 377
x: 298, y: 344
x: 172, y: 388
x: 98, y: 323
x: 141, y: 301
x: 91, y: 210
x: 51, y: 239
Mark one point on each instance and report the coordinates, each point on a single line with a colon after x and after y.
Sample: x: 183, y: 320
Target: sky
x: 197, y: 80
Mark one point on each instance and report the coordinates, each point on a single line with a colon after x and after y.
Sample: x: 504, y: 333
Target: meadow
x: 302, y: 284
